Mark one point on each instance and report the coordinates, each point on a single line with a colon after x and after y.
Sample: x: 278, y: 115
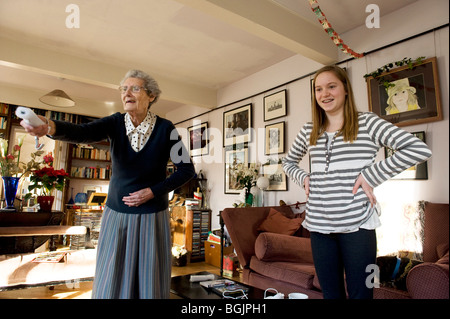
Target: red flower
x: 48, y: 159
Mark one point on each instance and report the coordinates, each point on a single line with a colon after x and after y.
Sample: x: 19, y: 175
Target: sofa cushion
x: 443, y: 260
x: 301, y: 274
x: 279, y: 247
x: 280, y: 224
x: 442, y: 250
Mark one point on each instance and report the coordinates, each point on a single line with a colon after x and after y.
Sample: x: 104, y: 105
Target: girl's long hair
x: 349, y: 129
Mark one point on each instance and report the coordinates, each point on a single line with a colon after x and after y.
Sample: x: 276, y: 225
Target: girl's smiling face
x: 330, y: 93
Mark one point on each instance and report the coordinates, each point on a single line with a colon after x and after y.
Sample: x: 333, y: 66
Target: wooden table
x: 181, y: 287
x: 26, y: 244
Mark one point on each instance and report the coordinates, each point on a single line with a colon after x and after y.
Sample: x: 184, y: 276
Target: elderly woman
x: 133, y: 259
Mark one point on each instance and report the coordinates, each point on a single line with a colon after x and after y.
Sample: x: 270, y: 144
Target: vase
x: 10, y: 189
x: 248, y: 198
x: 45, y: 203
x: 180, y: 261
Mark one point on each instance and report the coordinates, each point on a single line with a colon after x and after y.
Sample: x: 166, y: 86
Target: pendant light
x: 57, y: 98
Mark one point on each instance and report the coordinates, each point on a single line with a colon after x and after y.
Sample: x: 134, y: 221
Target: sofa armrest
x: 428, y: 281
x: 278, y: 247
x: 242, y: 226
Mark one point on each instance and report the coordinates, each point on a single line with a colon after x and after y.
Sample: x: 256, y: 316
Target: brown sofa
x: 284, y: 262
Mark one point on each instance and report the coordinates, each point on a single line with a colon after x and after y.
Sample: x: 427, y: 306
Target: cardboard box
x: 212, y: 253
x: 230, y: 265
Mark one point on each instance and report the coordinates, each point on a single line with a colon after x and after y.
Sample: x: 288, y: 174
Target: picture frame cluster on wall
x: 237, y: 134
x: 275, y: 107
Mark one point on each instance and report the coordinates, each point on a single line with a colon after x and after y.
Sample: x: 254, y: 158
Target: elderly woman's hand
x: 41, y: 130
x: 139, y: 197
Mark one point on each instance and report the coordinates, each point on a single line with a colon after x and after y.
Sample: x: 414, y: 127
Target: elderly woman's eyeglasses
x: 133, y: 88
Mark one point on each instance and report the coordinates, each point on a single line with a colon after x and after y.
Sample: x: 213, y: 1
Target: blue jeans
x: 335, y: 254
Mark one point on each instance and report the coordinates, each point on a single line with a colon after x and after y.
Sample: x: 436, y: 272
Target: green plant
x: 246, y: 176
x: 47, y: 178
x: 378, y: 74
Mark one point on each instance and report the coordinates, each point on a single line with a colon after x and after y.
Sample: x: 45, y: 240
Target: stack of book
x: 85, y: 152
x: 91, y: 172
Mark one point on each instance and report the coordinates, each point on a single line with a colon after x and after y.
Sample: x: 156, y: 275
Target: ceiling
x: 192, y: 47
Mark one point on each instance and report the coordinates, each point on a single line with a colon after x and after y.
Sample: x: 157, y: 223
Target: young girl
x: 341, y: 210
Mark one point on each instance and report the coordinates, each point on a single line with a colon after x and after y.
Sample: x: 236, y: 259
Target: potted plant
x: 47, y: 179
x: 179, y: 256
x: 246, y: 176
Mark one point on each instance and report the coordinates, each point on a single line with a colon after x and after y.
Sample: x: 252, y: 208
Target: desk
x: 26, y: 244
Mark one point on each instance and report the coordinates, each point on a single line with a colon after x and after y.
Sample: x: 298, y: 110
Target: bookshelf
x: 192, y: 231
x: 93, y: 165
x: 4, y: 120
x: 89, y: 162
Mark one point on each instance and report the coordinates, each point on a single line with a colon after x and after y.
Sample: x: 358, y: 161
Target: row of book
x: 4, y: 108
x: 91, y: 172
x: 84, y: 152
x: 3, y: 123
x: 200, y: 231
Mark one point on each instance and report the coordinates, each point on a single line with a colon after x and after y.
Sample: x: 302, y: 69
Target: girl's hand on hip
x: 361, y: 182
x: 306, y: 186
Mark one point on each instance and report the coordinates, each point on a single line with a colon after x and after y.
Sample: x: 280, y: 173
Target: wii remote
x: 29, y: 116
x: 32, y: 119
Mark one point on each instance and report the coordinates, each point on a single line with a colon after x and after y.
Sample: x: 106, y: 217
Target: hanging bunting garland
x: 330, y: 31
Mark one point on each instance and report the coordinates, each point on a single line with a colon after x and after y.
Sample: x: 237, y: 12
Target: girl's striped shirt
x: 335, y: 166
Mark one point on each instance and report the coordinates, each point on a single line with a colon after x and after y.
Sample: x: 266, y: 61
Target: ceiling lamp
x: 57, y: 98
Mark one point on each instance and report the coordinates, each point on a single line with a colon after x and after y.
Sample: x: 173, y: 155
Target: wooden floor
x: 83, y: 290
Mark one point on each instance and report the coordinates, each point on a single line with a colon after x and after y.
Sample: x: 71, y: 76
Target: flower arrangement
x: 178, y: 251
x: 179, y: 256
x: 10, y: 163
x: 246, y: 175
x: 47, y: 178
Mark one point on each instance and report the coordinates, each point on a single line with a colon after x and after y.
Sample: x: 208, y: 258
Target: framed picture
x: 170, y: 169
x: 276, y: 176
x: 234, y: 156
x: 274, y: 138
x: 412, y: 96
x: 237, y: 125
x: 198, y: 139
x: 275, y: 105
x: 419, y: 171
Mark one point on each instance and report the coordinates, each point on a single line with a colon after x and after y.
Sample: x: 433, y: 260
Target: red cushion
x: 280, y: 224
x: 279, y: 247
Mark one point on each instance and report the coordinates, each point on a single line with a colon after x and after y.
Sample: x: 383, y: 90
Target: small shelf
x: 87, y: 164
x: 90, y: 160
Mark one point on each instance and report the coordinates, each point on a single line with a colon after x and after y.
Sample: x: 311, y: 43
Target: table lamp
x: 263, y: 183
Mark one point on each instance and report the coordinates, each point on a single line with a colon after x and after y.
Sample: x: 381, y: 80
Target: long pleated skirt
x: 134, y: 256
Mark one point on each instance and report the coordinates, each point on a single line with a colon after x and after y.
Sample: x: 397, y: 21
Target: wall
x: 434, y: 189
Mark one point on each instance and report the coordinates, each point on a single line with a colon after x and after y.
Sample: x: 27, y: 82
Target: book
x: 224, y: 287
x: 50, y: 257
